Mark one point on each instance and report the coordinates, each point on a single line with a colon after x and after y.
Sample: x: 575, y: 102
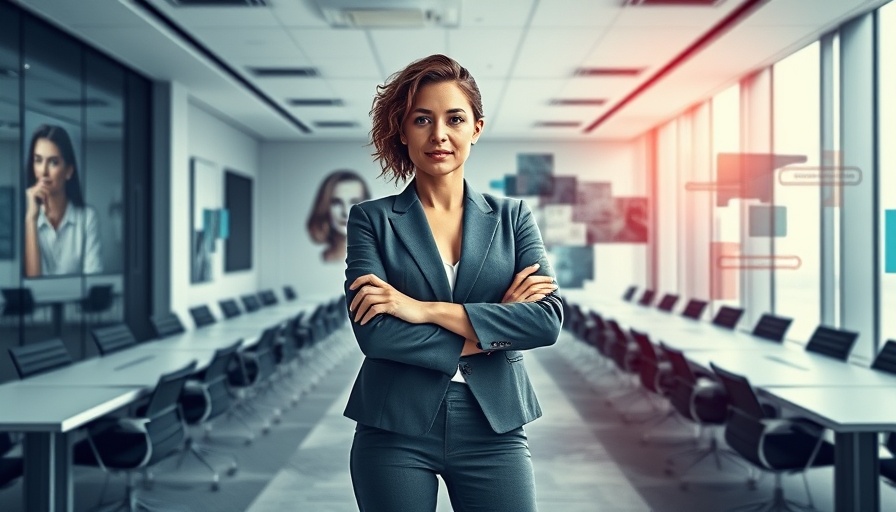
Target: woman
x: 61, y: 232
x: 329, y: 215
x: 445, y: 286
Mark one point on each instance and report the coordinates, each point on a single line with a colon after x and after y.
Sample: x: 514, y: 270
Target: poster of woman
x: 328, y: 218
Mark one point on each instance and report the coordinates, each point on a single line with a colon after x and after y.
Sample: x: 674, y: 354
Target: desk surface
x: 854, y: 409
x: 28, y: 408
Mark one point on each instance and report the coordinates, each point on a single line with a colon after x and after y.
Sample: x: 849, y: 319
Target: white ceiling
x: 523, y: 54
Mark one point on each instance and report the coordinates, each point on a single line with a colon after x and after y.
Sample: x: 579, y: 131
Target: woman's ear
x: 477, y: 130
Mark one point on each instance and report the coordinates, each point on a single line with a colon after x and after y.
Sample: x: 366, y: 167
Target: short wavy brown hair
x: 394, y: 99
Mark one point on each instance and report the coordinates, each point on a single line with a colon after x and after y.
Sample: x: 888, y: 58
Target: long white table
x: 837, y: 394
x: 48, y: 407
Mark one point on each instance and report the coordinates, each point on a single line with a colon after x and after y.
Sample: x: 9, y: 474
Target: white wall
x: 195, y: 132
x: 291, y: 172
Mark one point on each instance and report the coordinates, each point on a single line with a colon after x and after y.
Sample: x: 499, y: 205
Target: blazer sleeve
x: 385, y: 336
x: 520, y: 325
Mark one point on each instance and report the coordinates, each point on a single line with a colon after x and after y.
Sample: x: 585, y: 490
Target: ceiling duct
x: 363, y: 14
x: 672, y: 3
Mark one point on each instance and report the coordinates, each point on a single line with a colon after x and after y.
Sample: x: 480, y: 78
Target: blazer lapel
x: 480, y: 225
x: 412, y: 228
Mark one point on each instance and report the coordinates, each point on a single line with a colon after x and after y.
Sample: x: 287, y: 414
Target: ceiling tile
x: 395, y: 49
x: 475, y: 50
x: 640, y: 47
x: 199, y: 17
x: 548, y: 53
x: 656, y: 16
x: 246, y: 44
x: 576, y: 13
x: 495, y: 13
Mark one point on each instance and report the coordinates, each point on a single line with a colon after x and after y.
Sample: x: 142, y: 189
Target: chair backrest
x: 289, y: 293
x: 166, y: 430
x: 99, y: 298
x: 772, y: 327
x: 646, y: 350
x: 36, y: 358
x: 740, y: 392
x: 667, y: 303
x: 727, y: 317
x: 267, y: 297
x: 885, y: 360
x: 17, y: 301
x: 647, y: 297
x: 217, y: 368
x: 250, y: 302
x: 630, y: 293
x: 167, y: 324
x: 230, y: 308
x: 113, y: 338
x: 694, y: 309
x: 202, y: 316
x: 836, y: 343
x: 681, y: 369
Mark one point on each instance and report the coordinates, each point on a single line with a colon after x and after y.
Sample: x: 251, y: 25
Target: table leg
x: 48, y: 468
x: 856, y: 479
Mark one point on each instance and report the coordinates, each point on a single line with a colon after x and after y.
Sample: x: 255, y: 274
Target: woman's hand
x: 527, y: 287
x: 34, y: 196
x: 377, y: 296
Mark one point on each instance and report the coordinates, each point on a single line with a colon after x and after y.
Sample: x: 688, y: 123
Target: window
x: 887, y: 166
x: 725, y: 240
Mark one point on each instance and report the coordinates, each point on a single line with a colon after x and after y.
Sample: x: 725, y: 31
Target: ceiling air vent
x: 314, y: 102
x: 75, y: 102
x: 577, y: 102
x: 608, y: 71
x: 283, y: 72
x: 335, y: 124
x: 557, y: 124
x: 218, y: 3
x: 673, y: 3
x: 390, y: 13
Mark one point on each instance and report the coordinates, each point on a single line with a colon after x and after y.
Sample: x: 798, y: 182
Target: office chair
x: 654, y: 374
x: 629, y: 293
x: 771, y: 327
x: 702, y: 402
x: 727, y: 317
x: 17, y: 302
x: 202, y: 316
x: 36, y: 358
x: 835, y: 343
x: 647, y: 298
x: 207, y: 396
x: 289, y: 293
x: 137, y: 443
x: 267, y: 297
x: 694, y: 309
x: 113, y: 338
x: 99, y: 299
x: 11, y: 468
x: 167, y: 324
x: 667, y: 303
x: 772, y: 445
x: 229, y: 308
x: 250, y: 303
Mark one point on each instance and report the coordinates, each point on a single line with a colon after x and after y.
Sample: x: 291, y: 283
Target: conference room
x: 708, y: 180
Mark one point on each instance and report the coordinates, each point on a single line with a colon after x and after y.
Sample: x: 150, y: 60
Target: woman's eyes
x: 425, y: 120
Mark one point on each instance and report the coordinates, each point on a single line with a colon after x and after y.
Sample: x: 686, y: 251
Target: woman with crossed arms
x: 445, y: 288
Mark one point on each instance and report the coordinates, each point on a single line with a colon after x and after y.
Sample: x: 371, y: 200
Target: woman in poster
x: 329, y: 214
x: 445, y: 288
x: 61, y: 232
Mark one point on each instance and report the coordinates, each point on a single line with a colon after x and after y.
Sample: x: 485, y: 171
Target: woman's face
x: 50, y: 170
x: 345, y: 194
x: 439, y: 129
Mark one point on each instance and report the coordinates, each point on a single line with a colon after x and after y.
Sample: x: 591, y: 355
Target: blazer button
x: 466, y: 369
x: 494, y: 343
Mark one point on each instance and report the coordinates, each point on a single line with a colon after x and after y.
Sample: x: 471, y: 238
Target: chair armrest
x: 136, y: 425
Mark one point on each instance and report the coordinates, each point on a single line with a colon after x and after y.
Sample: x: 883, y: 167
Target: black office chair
x: 654, y: 374
x: 167, y: 324
x: 703, y: 402
x: 229, y: 308
x: 629, y: 293
x: 37, y: 358
x: 694, y: 309
x: 17, y: 302
x: 11, y: 468
x: 267, y: 297
x: 667, y: 303
x: 250, y: 303
x: 137, y: 443
x: 831, y: 342
x: 113, y: 338
x: 773, y: 445
x: 99, y: 299
x: 202, y: 316
x: 207, y: 396
x: 289, y: 293
x: 885, y: 361
x: 727, y: 317
x: 771, y: 327
x: 647, y: 298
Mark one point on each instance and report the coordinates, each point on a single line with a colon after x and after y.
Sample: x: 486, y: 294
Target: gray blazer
x: 407, y: 367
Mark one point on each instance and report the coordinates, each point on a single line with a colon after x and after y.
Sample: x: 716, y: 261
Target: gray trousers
x: 483, y: 471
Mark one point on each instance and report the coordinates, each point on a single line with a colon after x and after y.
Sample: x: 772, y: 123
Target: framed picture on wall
x: 238, y: 204
x: 205, y: 219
